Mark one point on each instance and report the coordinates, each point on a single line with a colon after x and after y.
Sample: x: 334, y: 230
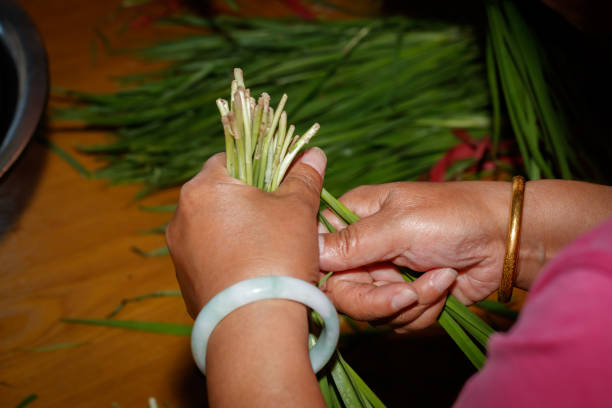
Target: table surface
x: 65, y: 252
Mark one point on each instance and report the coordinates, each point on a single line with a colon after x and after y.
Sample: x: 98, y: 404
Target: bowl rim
x: 25, y: 46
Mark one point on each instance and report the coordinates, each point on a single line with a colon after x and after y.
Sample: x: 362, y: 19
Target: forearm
x: 561, y: 337
x: 258, y: 357
x: 555, y: 213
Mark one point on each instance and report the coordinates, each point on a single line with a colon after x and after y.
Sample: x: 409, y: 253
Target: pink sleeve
x: 559, y: 353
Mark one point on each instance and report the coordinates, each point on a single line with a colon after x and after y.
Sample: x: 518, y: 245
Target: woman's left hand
x: 225, y: 231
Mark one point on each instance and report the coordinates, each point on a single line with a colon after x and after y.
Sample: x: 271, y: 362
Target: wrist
x: 531, y: 252
x: 270, y: 320
x: 259, y: 351
x: 531, y: 256
x: 246, y: 267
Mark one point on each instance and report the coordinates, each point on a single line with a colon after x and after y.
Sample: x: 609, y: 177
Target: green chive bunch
x: 516, y: 64
x: 259, y: 146
x: 387, y: 93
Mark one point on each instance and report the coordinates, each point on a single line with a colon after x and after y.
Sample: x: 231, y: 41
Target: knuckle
x: 308, y: 182
x: 348, y: 239
x: 190, y: 194
x: 357, y: 193
x: 363, y: 189
x: 213, y: 160
x: 187, y: 191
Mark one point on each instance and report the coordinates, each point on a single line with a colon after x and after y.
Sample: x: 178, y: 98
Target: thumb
x: 214, y: 168
x: 305, y: 177
x: 369, y: 240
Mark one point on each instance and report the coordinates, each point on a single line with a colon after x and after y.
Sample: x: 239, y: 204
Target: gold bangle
x: 508, y: 278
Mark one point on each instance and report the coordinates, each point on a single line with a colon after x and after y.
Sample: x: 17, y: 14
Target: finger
x: 352, y: 275
x: 333, y: 219
x: 384, y: 272
x: 434, y: 284
x: 366, y: 200
x: 372, y: 239
x: 365, y: 301
x: 431, y: 288
x: 363, y: 201
x: 425, y: 318
x: 305, y: 177
x: 214, y: 165
x: 214, y: 168
x: 213, y: 172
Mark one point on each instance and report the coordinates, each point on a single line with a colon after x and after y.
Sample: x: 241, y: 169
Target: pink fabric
x: 559, y: 353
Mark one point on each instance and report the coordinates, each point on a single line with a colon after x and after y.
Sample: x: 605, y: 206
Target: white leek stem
x: 302, y: 141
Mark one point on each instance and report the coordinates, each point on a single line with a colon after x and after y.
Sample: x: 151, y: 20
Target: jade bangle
x: 267, y: 287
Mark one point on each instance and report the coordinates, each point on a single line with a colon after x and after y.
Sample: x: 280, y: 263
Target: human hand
x: 453, y: 232
x: 225, y: 231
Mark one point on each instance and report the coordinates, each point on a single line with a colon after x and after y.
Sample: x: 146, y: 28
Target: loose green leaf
x: 159, y: 208
x: 156, y: 294
x: 161, y: 251
x: 27, y: 400
x: 66, y: 156
x: 154, y: 327
x: 324, y: 278
x: 157, y: 230
x: 53, y: 347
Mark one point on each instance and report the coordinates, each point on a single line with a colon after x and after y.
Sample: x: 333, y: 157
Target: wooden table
x: 65, y: 251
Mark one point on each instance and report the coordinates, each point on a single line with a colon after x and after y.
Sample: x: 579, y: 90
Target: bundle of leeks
x: 260, y: 147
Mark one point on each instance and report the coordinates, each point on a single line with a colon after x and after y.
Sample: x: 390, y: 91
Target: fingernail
x: 405, y: 298
x: 315, y: 158
x: 321, y: 243
x: 443, y: 278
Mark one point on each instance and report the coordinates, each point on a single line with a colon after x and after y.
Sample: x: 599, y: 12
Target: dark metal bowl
x: 24, y: 81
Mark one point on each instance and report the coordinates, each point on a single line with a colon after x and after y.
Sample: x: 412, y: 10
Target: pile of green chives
x: 517, y: 61
x: 387, y: 93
